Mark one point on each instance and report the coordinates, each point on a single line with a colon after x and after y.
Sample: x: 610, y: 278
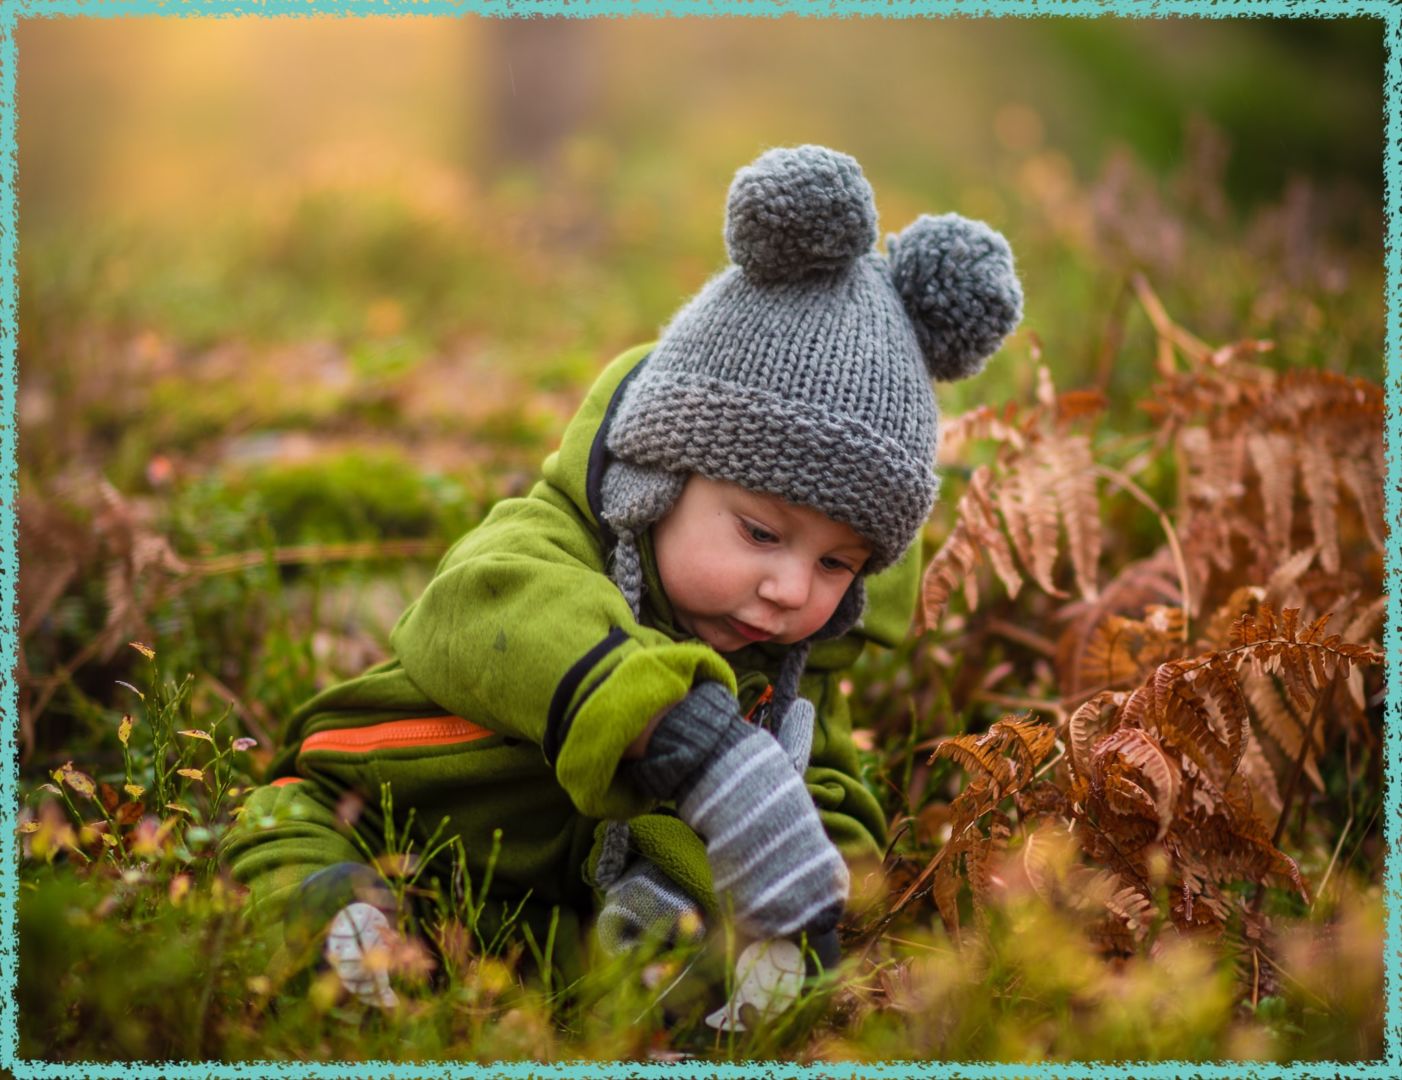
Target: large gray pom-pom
x: 957, y: 280
x: 799, y: 210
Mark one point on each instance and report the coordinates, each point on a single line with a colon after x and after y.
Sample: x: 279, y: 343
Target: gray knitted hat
x: 803, y: 369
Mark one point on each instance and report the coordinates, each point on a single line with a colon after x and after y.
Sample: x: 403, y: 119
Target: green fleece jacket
x: 516, y: 682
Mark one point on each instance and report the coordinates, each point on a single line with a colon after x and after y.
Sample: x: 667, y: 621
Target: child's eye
x: 829, y: 563
x: 758, y: 533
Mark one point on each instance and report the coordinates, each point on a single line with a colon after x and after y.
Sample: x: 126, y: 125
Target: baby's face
x: 741, y: 567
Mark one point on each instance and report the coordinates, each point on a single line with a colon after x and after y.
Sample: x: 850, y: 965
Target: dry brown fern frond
x: 1008, y: 753
x: 1303, y: 658
x: 1119, y: 651
x: 1131, y: 772
x: 1313, y: 442
x: 1042, y: 483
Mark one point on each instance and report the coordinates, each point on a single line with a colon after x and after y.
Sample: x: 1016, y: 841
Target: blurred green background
x: 315, y: 280
x: 300, y: 298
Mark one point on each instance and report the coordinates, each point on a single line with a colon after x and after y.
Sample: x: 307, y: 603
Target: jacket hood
x: 576, y: 469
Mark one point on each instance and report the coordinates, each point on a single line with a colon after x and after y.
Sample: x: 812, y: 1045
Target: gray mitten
x: 645, y: 900
x: 738, y: 789
x: 795, y: 734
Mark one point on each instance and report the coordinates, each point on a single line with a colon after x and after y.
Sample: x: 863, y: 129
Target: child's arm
x: 522, y: 631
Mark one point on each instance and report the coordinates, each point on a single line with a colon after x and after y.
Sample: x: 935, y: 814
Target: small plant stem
x: 317, y: 553
x: 1012, y: 702
x: 1021, y: 635
x: 1118, y: 478
x: 1113, y: 336
x: 1305, y: 989
x: 1333, y: 859
x: 1164, y: 326
x: 251, y: 723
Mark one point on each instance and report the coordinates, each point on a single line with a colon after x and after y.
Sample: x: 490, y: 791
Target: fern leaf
x: 1009, y: 498
x: 1073, y: 483
x: 1283, y: 587
x: 952, y: 565
x: 1273, y: 455
x: 1032, y: 739
x: 1321, y: 484
x: 1366, y: 487
x: 1036, y: 493
x: 1086, y: 725
x: 1220, y: 691
x: 994, y: 543
x: 1281, y: 723
x: 973, y: 752
x: 1182, y: 720
x: 1136, y: 750
x: 1257, y: 771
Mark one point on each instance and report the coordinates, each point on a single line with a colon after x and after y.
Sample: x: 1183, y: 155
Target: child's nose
x: 787, y: 584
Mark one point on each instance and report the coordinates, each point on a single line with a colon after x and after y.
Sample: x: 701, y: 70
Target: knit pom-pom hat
x: 803, y: 369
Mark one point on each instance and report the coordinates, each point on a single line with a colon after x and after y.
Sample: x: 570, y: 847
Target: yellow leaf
x: 134, y: 790
x: 29, y: 827
x: 195, y: 733
x: 124, y: 730
x: 193, y: 774
x: 80, y: 782
x: 109, y: 839
x: 144, y: 650
x: 176, y: 806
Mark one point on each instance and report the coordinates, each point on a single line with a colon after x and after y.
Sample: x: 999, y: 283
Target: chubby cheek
x: 816, y: 614
x: 701, y: 583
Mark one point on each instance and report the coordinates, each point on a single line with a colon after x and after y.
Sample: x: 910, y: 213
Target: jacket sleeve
x: 522, y: 631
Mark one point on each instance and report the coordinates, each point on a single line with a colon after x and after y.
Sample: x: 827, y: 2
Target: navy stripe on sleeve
x: 561, y: 716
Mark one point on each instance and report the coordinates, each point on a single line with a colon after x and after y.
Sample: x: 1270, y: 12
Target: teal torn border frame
x: 11, y: 11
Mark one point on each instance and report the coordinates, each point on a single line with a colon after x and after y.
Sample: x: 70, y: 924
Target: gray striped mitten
x: 737, y: 788
x: 645, y: 901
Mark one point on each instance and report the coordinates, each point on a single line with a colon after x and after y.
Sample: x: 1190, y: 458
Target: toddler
x: 633, y: 671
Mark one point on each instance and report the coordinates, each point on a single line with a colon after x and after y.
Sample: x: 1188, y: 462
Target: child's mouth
x: 746, y: 631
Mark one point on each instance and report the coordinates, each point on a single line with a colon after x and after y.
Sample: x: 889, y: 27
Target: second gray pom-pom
x: 957, y: 280
x: 798, y: 210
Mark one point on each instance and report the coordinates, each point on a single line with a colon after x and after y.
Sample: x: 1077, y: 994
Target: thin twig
x: 1022, y: 636
x: 1146, y: 500
x: 1013, y: 702
x: 1334, y: 858
x: 1164, y: 326
x: 251, y: 723
x: 352, y: 551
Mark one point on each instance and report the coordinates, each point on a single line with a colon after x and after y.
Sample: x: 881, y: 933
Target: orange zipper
x: 760, y: 703
x: 425, y: 731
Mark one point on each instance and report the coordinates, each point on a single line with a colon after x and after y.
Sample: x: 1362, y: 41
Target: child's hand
x: 737, y: 787
x: 645, y: 901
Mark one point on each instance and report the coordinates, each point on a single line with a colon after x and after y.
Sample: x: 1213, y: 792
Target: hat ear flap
x: 848, y: 613
x: 956, y: 279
